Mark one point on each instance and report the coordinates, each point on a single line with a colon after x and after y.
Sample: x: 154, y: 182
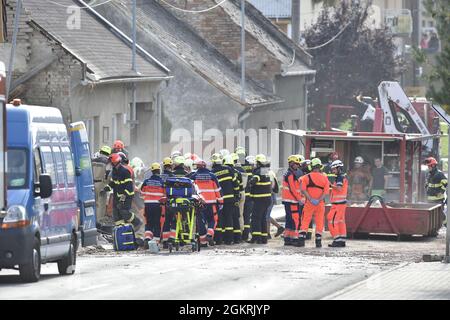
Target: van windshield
x: 17, y: 168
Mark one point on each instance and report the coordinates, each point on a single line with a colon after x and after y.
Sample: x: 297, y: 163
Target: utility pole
x: 447, y: 238
x: 295, y: 16
x: 13, y: 48
x: 134, y: 68
x: 243, y: 50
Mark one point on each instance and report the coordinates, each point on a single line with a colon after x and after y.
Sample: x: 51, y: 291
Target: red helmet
x: 430, y: 161
x: 115, y: 159
x: 118, y: 144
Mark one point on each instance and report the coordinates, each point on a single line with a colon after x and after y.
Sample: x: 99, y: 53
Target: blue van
x: 49, y: 209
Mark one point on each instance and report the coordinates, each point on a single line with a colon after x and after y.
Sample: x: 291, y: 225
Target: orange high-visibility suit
x: 336, y: 216
x: 316, y: 184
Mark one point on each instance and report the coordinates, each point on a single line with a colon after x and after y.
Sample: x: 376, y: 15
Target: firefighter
x: 359, y: 181
x: 338, y: 199
x: 230, y: 190
x: 315, y: 186
x: 179, y: 170
x: 119, y: 146
x: 327, y: 168
x: 153, y: 191
x: 175, y: 154
x: 167, y: 168
x: 305, y: 166
x: 239, y: 189
x: 248, y: 166
x: 209, y: 190
x: 261, y: 192
x: 123, y: 190
x: 436, y: 184
x: 101, y: 167
x: 239, y: 162
x: 292, y: 201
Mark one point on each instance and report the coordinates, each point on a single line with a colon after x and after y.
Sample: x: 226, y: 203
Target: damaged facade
x: 85, y: 71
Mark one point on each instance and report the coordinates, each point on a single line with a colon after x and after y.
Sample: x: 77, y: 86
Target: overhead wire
x: 85, y: 7
x: 194, y: 11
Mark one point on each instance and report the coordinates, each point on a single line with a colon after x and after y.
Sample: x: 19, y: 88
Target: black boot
x: 245, y: 234
x: 287, y: 241
x: 280, y: 231
x: 237, y: 238
x: 254, y: 239
x: 210, y: 240
x: 318, y: 241
x: 334, y: 244
x: 300, y: 242
x: 218, y: 237
x: 263, y: 240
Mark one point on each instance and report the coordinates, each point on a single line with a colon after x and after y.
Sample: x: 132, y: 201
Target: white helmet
x: 224, y: 153
x: 359, y: 160
x: 250, y: 160
x: 337, y: 164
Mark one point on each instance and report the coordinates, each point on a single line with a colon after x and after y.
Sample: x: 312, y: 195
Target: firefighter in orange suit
x: 315, y: 186
x: 153, y: 191
x: 338, y: 199
x: 292, y: 200
x: 209, y: 190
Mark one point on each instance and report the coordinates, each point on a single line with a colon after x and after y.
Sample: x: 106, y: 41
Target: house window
x: 115, y: 126
x: 90, y: 127
x: 106, y: 135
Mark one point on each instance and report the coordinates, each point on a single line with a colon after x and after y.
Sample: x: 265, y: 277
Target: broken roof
x: 107, y: 56
x: 179, y: 39
x: 295, y: 60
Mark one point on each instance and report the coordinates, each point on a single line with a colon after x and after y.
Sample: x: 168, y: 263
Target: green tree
x: 439, y: 77
x: 349, y: 57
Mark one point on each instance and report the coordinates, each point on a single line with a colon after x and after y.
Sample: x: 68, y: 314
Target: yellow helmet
x: 228, y: 160
x: 302, y: 158
x: 260, y: 158
x: 179, y: 160
x: 240, y: 150
x: 216, y: 158
x: 155, y: 166
x: 294, y: 158
x: 235, y: 157
x: 106, y: 150
x: 316, y: 162
x: 167, y: 161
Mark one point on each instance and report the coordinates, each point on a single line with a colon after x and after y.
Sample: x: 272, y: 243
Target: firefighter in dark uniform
x: 178, y: 170
x: 230, y: 189
x: 436, y: 185
x: 167, y: 169
x: 261, y: 192
x: 123, y: 190
x: 248, y: 166
x: 237, y: 234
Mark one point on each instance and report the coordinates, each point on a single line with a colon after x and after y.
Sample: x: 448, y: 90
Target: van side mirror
x: 77, y: 171
x: 45, y: 186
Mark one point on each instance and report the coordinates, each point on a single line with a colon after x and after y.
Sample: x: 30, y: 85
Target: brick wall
x: 219, y: 29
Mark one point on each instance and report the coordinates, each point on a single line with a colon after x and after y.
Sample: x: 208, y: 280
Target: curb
x: 362, y: 282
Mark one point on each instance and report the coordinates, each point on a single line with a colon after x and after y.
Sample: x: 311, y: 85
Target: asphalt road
x: 244, y: 272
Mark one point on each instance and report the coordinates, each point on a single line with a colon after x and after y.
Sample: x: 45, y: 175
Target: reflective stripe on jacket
x: 153, y: 189
x: 208, y: 186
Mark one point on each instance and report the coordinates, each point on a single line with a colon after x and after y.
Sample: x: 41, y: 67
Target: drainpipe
x: 134, y: 68
x: 158, y: 125
x: 13, y: 48
x: 243, y: 50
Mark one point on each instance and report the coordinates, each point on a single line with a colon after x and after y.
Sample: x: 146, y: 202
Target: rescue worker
x: 248, y: 166
x: 292, y: 201
x: 338, y: 199
x: 359, y: 181
x: 209, y: 191
x: 189, y: 166
x: 123, y: 190
x: 261, y: 192
x: 327, y: 168
x: 101, y: 167
x: 436, y: 184
x: 175, y: 154
x: 119, y: 146
x: 315, y: 186
x: 153, y: 191
x: 305, y: 166
x: 167, y: 168
x: 239, y: 161
x: 230, y: 191
x: 239, y: 189
x: 179, y: 170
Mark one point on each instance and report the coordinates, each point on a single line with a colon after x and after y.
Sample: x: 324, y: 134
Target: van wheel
x: 66, y: 266
x: 31, y: 272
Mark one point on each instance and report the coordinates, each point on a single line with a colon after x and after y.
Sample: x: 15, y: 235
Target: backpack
x: 124, y: 238
x: 179, y: 187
